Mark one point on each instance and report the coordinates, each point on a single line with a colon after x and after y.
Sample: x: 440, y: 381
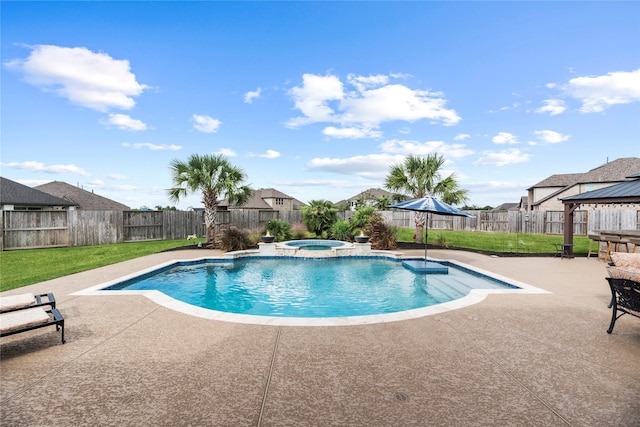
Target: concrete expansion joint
x: 506, y: 371
x: 271, y: 365
x: 35, y: 381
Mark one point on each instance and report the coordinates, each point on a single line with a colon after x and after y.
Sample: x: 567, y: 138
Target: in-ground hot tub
x: 314, y: 248
x: 315, y: 244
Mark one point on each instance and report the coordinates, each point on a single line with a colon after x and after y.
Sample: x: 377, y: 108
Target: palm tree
x: 419, y: 177
x: 214, y: 176
x: 382, y: 203
x: 319, y: 216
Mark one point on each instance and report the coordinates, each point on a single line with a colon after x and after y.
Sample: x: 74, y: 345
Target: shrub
x: 300, y: 231
x: 441, y: 240
x: 280, y: 229
x: 319, y: 216
x: 381, y: 235
x: 341, y: 230
x: 300, y: 235
x: 235, y: 239
x: 361, y: 218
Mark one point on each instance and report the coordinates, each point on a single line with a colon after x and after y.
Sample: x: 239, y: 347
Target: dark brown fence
x: 40, y: 229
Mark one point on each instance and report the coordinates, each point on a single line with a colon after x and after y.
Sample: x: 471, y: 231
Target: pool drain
x: 401, y: 397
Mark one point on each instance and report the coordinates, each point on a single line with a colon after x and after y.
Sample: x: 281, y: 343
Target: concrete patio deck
x: 510, y: 360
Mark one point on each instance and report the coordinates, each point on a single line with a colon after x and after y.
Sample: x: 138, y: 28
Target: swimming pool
x: 473, y: 296
x: 308, y: 288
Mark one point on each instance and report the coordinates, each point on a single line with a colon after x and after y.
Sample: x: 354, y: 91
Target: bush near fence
x: 41, y: 229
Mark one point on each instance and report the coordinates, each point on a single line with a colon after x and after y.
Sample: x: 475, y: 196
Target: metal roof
x: 628, y: 191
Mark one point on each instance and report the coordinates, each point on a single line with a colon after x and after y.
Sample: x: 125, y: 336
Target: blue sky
x: 316, y: 99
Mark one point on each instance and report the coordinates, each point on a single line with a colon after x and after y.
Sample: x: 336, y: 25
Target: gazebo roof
x: 625, y: 192
x: 628, y: 191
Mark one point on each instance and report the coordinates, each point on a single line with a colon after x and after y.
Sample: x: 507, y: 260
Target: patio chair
x: 18, y: 321
x: 24, y: 301
x: 625, y: 298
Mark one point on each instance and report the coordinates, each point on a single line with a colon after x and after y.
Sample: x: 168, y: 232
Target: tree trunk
x: 421, y: 219
x: 210, y: 217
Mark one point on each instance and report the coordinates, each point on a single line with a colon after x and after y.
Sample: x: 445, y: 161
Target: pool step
x: 453, y: 289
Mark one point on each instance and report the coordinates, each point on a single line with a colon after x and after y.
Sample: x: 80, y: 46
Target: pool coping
x: 475, y: 296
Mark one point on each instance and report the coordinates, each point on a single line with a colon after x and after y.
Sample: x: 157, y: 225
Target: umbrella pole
x: 426, y: 237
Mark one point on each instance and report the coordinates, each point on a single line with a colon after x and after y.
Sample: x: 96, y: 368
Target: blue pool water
x: 295, y: 287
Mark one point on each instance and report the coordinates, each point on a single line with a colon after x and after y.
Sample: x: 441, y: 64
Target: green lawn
x: 498, y: 242
x: 24, y: 267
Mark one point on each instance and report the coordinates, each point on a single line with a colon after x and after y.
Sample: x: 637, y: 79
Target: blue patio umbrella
x: 433, y: 205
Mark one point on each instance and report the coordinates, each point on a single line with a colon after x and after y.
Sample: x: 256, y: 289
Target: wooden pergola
x: 625, y: 192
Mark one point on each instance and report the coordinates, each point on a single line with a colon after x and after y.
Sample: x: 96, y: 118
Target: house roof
x: 84, y: 199
x: 614, y: 171
x: 371, y: 194
x: 257, y: 199
x: 506, y: 207
x: 13, y: 193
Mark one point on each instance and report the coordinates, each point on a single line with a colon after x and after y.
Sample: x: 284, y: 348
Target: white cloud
x: 93, y: 80
x: 206, y: 124
x: 375, y: 166
x: 226, y: 152
x: 502, y: 158
x: 362, y: 83
x: 312, y: 99
x: 513, y: 106
x: 125, y: 187
x: 269, y: 154
x: 317, y: 183
x: 351, y: 132
x: 601, y: 92
x: 41, y: 167
x: 117, y: 176
x: 461, y: 137
x: 551, y: 137
x: 371, y: 101
x: 552, y: 106
x: 396, y: 102
x: 251, y: 95
x: 125, y: 122
x: 504, y: 138
x: 422, y: 148
x: 152, y: 147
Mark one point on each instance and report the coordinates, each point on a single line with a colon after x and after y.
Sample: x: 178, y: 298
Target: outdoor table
x: 617, y: 237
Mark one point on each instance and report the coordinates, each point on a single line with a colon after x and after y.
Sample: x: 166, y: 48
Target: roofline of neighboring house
x: 552, y: 195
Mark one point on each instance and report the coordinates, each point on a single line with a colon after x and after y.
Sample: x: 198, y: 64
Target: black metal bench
x: 625, y: 298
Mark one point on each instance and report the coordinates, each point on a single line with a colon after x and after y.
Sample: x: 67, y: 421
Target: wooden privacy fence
x: 44, y: 229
